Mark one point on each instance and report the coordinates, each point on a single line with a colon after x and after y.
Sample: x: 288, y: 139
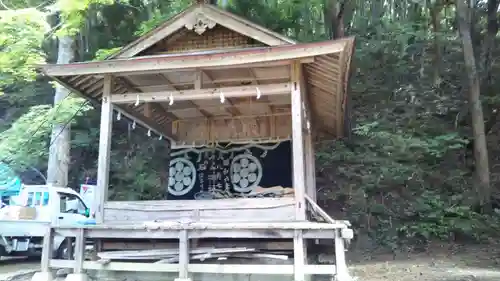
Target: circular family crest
x: 246, y: 172
x: 182, y: 176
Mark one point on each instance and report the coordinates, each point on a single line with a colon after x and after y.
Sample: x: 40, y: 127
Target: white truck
x: 42, y: 205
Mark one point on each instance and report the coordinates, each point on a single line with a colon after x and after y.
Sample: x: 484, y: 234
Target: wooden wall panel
x: 221, y: 129
x: 243, y: 209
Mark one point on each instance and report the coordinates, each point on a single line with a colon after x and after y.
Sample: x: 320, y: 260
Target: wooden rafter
x: 130, y: 87
x: 233, y: 110
x: 172, y: 87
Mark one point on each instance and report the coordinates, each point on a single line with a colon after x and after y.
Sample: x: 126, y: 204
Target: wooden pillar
x: 45, y: 273
x: 299, y: 172
x: 79, y: 251
x: 47, y: 249
x: 310, y: 167
x: 101, y: 193
x: 183, y: 256
x: 340, y: 262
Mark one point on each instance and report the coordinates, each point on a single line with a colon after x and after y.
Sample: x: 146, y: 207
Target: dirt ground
x: 441, y: 262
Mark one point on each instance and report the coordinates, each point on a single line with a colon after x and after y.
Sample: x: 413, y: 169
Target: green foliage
x: 102, y: 54
x: 21, y: 37
x: 73, y: 13
x: 158, y: 16
x: 405, y: 175
x: 25, y: 142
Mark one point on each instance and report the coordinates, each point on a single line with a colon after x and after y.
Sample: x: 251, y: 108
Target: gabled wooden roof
x: 190, y: 16
x: 139, y: 67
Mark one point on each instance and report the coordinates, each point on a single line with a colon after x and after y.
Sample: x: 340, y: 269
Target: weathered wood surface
x: 242, y: 209
x: 259, y: 244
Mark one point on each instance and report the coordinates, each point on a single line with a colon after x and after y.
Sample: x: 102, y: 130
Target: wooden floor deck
x: 226, y: 229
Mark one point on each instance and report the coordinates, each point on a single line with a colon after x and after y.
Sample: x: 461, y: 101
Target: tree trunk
x: 435, y: 10
x: 59, y: 151
x: 334, y: 18
x: 482, y: 173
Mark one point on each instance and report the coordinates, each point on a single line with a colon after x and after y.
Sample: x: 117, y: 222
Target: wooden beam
x: 217, y: 225
x: 298, y: 142
x: 310, y: 166
x: 132, y: 88
x: 200, y: 60
x: 202, y: 234
x: 267, y: 269
x: 103, y: 161
x: 198, y: 84
x: 188, y: 106
x: 269, y: 64
x: 213, y: 93
x: 299, y: 247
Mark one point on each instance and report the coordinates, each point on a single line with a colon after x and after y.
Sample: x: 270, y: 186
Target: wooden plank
x: 261, y: 65
x: 197, y: 60
x: 209, y: 225
x: 269, y: 245
x: 340, y: 261
x: 201, y: 94
x: 299, y: 176
x: 165, y: 253
x: 190, y: 205
x: 265, y: 269
x: 267, y: 210
x: 234, y: 128
x: 298, y: 142
x: 299, y: 256
x: 103, y: 161
x: 310, y: 167
x: 183, y: 254
x: 207, y: 233
x: 47, y: 249
x: 79, y: 251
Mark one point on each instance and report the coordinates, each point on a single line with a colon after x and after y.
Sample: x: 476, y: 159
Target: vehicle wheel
x: 3, y: 252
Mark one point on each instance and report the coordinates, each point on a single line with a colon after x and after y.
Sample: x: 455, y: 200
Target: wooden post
x: 340, y: 262
x: 310, y: 167
x: 299, y: 247
x: 48, y: 249
x: 101, y: 193
x: 298, y: 143
x: 79, y: 251
x: 78, y: 271
x: 45, y: 273
x: 183, y: 256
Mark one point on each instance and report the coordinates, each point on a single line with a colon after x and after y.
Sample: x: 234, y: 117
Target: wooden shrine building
x: 207, y: 76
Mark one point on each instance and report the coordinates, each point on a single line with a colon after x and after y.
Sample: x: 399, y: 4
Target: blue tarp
x: 10, y: 183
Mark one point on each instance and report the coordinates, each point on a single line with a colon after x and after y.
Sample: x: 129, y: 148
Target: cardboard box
x: 20, y: 213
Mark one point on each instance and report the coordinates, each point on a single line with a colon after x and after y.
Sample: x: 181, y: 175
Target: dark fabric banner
x: 233, y: 169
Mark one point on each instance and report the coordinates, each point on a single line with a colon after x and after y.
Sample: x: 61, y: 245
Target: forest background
x: 422, y: 162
